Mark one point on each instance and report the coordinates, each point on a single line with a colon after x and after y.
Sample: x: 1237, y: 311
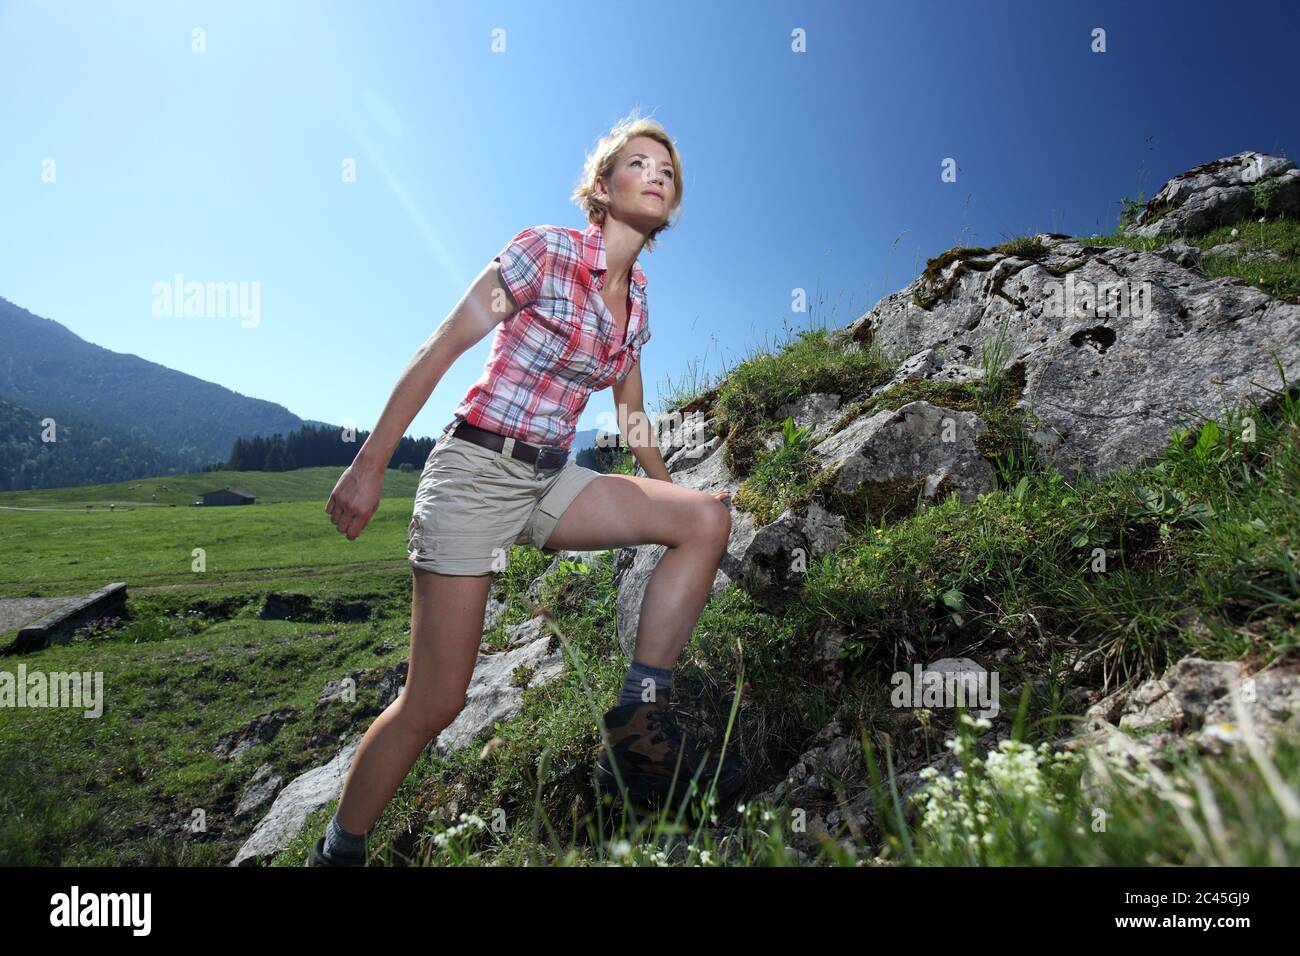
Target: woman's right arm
x: 356, y: 495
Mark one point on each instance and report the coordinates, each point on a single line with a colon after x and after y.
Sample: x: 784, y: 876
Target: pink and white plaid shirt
x: 560, y: 346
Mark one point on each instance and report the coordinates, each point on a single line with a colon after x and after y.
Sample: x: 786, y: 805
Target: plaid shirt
x: 559, y: 347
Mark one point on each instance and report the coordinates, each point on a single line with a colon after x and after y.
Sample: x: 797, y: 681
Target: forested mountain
x: 74, y: 413
x: 53, y: 372
x: 55, y: 451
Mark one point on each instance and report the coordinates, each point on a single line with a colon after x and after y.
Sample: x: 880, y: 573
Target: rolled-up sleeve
x: 523, y: 265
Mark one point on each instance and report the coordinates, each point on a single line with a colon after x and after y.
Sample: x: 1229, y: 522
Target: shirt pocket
x: 553, y: 330
x: 583, y: 362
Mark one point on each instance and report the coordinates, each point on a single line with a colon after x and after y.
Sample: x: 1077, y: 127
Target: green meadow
x: 79, y: 544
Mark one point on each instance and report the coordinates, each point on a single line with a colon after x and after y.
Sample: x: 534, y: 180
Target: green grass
x: 790, y: 476
x: 52, y: 552
x: 1279, y: 278
x: 285, y: 535
x: 1013, y: 567
x: 746, y: 404
x: 270, y: 487
x: 75, y: 790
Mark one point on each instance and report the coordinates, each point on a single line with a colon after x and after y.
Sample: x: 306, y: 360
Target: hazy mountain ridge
x: 54, y: 372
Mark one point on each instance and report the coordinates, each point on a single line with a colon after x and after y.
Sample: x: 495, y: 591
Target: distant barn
x: 228, y: 496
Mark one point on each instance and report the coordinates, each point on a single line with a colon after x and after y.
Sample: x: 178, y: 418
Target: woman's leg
x: 446, y: 631
x: 616, y: 511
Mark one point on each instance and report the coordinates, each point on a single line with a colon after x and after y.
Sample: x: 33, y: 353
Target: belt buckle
x: 545, y: 453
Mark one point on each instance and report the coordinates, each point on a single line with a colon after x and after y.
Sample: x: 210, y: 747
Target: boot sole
x: 647, y: 789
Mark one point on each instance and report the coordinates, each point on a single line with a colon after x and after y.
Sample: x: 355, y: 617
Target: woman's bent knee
x: 715, y: 521
x: 427, y: 721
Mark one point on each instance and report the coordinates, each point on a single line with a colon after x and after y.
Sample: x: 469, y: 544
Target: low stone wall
x: 57, y: 626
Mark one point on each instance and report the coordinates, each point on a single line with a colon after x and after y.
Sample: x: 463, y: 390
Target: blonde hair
x: 601, y: 163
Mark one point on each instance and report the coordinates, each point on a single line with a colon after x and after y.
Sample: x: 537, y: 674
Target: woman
x: 573, y: 317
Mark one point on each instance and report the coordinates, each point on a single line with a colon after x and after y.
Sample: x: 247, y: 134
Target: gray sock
x: 342, y: 845
x: 645, y: 682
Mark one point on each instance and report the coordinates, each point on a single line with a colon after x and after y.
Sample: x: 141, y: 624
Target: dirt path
x: 209, y: 582
x: 324, y: 572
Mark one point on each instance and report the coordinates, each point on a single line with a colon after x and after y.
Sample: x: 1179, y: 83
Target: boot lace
x: 663, y: 721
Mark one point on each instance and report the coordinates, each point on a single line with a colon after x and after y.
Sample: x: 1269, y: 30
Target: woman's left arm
x: 638, y: 430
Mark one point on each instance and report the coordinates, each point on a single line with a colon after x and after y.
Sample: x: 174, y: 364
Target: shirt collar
x: 593, y: 254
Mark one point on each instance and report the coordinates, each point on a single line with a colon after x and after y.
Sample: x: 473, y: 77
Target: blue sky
x: 817, y: 170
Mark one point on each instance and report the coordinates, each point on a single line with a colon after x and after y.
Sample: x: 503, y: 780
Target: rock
x: 526, y: 632
x: 64, y: 616
x: 350, y: 611
x: 823, y: 530
x: 259, y: 730
x: 831, y: 754
x: 814, y: 411
x: 391, y: 683
x: 769, y: 561
x: 689, y: 432
x: 689, y: 456
x: 493, y: 695
x: 1116, y: 348
x: 1239, y: 250
x: 259, y: 791
x: 969, y: 674
x: 830, y: 783
x: 1181, y: 253
x: 827, y: 656
x: 496, y: 606
x: 1271, y: 701
x: 634, y: 566
x: 534, y: 592
x: 774, y: 559
x: 929, y: 365
x: 1190, y: 709
x: 303, y: 796
x: 334, y: 689
x: 1216, y: 194
x: 919, y: 442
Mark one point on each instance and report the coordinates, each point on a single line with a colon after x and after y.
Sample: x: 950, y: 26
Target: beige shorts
x: 473, y: 503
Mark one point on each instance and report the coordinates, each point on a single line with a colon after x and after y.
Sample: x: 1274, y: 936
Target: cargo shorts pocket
x: 454, y: 456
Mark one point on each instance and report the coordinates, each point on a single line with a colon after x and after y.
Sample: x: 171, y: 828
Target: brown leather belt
x: 541, y: 457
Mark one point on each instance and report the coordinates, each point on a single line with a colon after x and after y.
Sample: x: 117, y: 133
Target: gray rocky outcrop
x: 1191, y: 708
x: 303, y: 796
x: 918, y: 442
x: 495, y: 694
x: 1219, y: 193
x: 1117, y: 347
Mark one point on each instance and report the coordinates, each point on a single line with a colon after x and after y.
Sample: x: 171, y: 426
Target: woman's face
x: 643, y: 184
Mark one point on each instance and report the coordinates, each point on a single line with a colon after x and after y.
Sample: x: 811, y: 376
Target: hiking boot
x: 316, y: 857
x: 647, y: 743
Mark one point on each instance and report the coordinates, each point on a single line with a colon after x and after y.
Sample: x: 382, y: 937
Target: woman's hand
x: 722, y: 494
x: 355, y: 499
